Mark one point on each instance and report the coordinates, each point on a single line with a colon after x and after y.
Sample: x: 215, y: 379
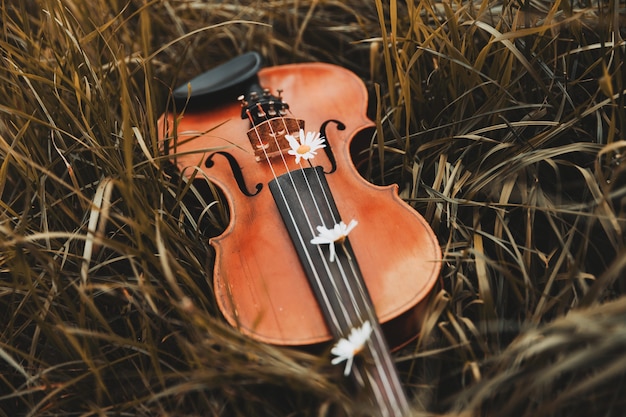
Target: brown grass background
x: 503, y: 123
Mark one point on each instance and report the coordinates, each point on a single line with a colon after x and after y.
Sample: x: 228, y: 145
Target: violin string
x: 378, y: 358
x: 371, y: 315
x: 378, y: 336
x: 317, y: 278
x: 336, y: 290
x: 381, y: 360
x: 309, y: 222
x: 379, y: 355
x: 308, y: 184
x: 348, y: 286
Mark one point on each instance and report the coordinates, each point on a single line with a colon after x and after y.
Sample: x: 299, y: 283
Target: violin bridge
x: 268, y: 138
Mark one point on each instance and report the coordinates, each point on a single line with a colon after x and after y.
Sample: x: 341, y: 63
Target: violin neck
x: 305, y: 201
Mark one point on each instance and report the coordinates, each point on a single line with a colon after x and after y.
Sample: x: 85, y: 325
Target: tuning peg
x: 242, y: 100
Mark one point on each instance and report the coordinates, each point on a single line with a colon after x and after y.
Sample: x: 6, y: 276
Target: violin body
x: 259, y: 283
x: 272, y: 278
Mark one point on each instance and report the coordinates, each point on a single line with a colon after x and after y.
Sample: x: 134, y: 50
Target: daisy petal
x: 305, y: 146
x: 347, y: 349
x: 337, y: 234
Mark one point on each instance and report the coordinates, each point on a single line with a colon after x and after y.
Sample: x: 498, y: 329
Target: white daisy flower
x: 307, y: 145
x: 337, y: 234
x: 347, y: 349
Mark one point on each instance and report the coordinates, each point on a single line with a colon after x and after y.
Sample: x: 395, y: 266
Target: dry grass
x: 503, y: 123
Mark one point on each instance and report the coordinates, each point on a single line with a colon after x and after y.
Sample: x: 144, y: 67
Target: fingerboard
x: 305, y: 201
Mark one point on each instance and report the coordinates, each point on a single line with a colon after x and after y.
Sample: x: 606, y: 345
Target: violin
x: 313, y: 252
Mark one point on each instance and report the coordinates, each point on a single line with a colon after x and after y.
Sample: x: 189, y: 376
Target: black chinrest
x: 222, y: 84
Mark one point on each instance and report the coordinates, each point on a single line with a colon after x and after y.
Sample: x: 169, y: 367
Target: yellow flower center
x: 303, y: 149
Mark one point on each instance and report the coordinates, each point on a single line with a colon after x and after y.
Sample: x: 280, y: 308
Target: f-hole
x: 327, y: 149
x: 237, y: 174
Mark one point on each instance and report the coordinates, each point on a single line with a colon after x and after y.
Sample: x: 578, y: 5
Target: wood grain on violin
x: 270, y: 280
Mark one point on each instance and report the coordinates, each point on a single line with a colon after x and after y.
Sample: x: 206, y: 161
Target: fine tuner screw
x: 254, y: 96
